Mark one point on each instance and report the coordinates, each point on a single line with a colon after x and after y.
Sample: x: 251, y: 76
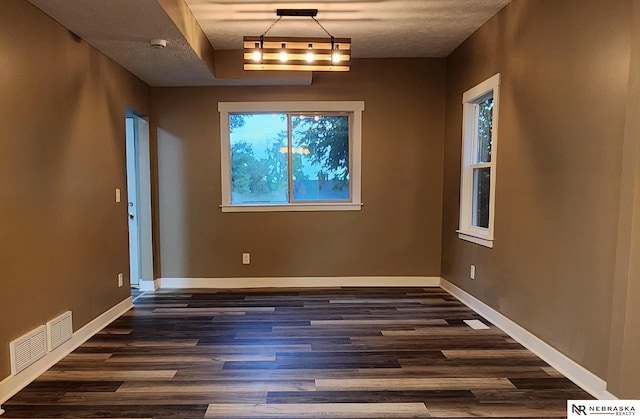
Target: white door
x: 132, y: 198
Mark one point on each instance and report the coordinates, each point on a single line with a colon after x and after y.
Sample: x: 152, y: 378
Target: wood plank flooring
x: 297, y: 353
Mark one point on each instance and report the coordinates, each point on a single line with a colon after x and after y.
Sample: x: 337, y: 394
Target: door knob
x: 131, y: 216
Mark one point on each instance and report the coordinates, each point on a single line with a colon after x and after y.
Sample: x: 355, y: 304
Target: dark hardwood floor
x: 304, y: 353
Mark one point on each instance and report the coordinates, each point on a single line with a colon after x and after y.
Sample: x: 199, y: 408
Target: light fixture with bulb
x: 335, y: 54
x: 297, y: 53
x: 257, y: 53
x: 284, y: 57
x: 310, y: 57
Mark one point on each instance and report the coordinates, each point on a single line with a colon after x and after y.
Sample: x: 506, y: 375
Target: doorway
x: 139, y: 203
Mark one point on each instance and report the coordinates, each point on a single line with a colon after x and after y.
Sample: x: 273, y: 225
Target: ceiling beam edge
x: 179, y: 12
x: 224, y: 65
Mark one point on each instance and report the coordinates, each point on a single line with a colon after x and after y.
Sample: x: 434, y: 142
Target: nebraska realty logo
x: 602, y: 408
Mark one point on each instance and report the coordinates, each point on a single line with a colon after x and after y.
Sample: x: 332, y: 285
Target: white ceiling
x: 378, y: 28
x: 121, y: 29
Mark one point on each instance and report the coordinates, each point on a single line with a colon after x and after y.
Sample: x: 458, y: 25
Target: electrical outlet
x: 246, y: 258
x: 120, y: 279
x: 472, y: 272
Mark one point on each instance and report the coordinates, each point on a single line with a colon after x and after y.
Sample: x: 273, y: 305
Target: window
x: 479, y: 145
x: 290, y: 156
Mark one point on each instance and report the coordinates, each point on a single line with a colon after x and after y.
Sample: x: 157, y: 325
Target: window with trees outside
x: 479, y: 146
x: 290, y: 156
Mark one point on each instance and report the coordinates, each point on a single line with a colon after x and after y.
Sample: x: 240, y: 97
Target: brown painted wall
x: 565, y: 72
x: 63, y: 239
x: 396, y: 233
x: 624, y: 376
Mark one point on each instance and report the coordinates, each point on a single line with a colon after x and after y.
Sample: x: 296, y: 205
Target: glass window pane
x: 320, y: 157
x: 481, y: 192
x: 485, y: 126
x: 259, y: 166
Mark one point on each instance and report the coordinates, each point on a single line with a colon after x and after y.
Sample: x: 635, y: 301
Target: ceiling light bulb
x: 335, y: 57
x: 283, y: 54
x: 310, y: 57
x: 257, y: 54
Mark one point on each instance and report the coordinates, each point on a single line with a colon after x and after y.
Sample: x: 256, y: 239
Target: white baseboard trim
x: 295, y: 282
x: 148, y: 285
x: 14, y: 383
x: 584, y: 378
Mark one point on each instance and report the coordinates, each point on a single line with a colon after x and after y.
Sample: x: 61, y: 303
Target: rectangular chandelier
x: 296, y: 53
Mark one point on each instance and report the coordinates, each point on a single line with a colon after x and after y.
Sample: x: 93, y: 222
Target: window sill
x: 475, y: 239
x: 291, y: 207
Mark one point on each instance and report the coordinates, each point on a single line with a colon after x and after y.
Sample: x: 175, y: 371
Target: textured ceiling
x: 121, y: 29
x: 378, y: 28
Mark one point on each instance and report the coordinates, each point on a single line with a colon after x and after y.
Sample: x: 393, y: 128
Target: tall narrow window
x: 480, y: 139
x: 290, y: 156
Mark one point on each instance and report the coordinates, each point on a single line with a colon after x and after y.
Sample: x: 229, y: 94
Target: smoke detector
x: 158, y: 43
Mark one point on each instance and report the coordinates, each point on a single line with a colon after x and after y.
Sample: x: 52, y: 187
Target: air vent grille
x: 27, y: 349
x: 59, y: 330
